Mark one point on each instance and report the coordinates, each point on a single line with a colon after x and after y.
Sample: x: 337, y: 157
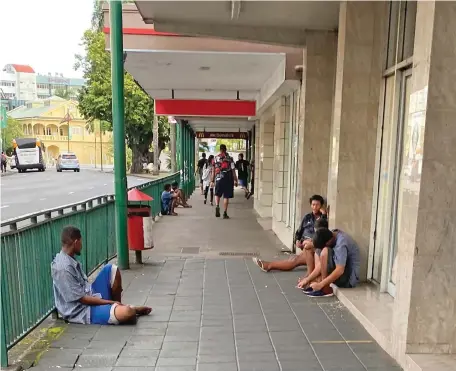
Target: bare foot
x: 143, y: 311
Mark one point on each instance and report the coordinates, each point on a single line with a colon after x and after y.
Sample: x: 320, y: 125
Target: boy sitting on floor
x: 337, y: 261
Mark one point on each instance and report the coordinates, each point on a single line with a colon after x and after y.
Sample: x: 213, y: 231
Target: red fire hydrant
x: 140, y: 223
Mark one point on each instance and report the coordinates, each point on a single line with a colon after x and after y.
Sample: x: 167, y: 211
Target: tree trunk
x: 137, y: 160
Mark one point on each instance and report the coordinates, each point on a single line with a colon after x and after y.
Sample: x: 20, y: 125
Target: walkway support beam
x: 118, y: 121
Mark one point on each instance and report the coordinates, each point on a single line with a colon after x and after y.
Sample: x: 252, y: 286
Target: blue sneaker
x: 325, y: 292
x: 309, y: 289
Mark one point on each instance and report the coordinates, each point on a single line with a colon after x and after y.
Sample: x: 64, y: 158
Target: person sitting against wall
x: 181, y: 199
x: 317, y: 218
x: 79, y: 301
x: 337, y: 261
x: 168, y: 201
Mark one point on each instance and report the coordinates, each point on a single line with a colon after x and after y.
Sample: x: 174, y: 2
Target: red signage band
x: 140, y: 31
x: 221, y: 135
x: 201, y: 108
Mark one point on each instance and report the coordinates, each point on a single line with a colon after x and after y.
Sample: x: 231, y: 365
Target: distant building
x: 48, y: 84
x: 18, y: 81
x: 47, y: 120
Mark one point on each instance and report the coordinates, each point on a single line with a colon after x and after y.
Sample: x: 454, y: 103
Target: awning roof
x: 282, y: 22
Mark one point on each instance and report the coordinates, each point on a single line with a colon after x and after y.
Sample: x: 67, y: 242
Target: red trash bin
x: 139, y: 223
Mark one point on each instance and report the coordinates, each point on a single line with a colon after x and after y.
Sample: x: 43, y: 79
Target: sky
x: 44, y: 34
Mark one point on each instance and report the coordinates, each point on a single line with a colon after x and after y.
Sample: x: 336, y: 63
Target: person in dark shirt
x: 224, y: 179
x: 242, y: 166
x: 303, y: 237
x: 202, y: 161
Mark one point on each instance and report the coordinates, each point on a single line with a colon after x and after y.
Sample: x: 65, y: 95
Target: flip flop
x: 259, y: 263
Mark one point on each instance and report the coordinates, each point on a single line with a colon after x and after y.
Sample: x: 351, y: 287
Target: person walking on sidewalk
x: 200, y: 167
x: 224, y: 177
x: 207, y: 177
x: 242, y: 167
x: 4, y: 161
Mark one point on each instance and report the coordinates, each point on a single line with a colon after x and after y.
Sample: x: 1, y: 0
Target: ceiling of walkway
x: 202, y: 75
x: 218, y: 125
x: 315, y: 15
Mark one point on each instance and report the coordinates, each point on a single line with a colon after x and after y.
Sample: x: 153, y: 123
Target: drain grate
x: 190, y: 250
x: 231, y: 253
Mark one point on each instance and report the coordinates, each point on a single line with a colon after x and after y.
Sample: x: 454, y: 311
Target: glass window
x: 410, y: 141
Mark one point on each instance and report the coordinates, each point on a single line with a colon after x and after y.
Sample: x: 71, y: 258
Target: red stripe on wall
x: 140, y: 31
x: 181, y: 107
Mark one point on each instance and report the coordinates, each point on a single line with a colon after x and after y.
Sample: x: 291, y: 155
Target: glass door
x: 402, y: 170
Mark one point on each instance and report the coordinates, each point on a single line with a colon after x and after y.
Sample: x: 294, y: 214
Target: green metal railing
x: 28, y: 245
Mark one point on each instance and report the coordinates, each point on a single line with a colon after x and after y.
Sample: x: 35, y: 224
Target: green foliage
x: 13, y: 130
x: 95, y: 99
x: 231, y: 144
x: 62, y: 93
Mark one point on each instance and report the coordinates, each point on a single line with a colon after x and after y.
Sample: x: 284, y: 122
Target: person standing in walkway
x: 224, y: 177
x: 242, y: 167
x: 4, y: 161
x: 207, y: 177
x: 79, y: 301
x: 201, y: 163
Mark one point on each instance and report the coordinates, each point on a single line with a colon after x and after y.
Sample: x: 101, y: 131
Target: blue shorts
x: 224, y: 188
x: 100, y: 314
x: 243, y: 183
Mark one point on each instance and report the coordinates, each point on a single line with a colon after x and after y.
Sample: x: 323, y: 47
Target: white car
x: 12, y: 162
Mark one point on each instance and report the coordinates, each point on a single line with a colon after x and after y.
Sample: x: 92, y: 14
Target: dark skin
x: 123, y: 313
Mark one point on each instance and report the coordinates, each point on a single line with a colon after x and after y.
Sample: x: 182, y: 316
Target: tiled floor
x: 215, y: 314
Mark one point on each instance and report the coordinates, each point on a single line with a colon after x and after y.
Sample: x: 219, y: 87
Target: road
x: 34, y: 191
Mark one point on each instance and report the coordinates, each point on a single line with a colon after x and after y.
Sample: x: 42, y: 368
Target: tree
x: 95, y: 98
x: 13, y: 130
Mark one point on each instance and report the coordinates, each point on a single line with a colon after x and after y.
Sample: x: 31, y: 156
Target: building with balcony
x: 47, y: 119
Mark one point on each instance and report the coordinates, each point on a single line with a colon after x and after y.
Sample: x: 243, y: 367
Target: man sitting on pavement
x: 78, y: 301
x: 337, y: 261
x: 180, y: 196
x: 168, y: 201
x: 303, y: 237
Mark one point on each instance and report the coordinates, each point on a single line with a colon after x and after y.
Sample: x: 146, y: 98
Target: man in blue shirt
x: 337, y: 261
x: 303, y: 239
x: 168, y: 201
x: 79, y: 301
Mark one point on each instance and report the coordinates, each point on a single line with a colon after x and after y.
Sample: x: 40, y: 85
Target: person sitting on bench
x: 168, y: 201
x: 337, y: 261
x: 79, y: 301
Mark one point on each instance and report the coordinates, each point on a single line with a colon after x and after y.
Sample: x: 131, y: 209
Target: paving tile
x: 134, y: 369
x: 337, y: 357
x: 216, y: 358
x: 373, y: 356
x: 185, y: 316
x: 104, y: 345
x: 217, y: 366
x: 181, y: 361
x: 96, y: 360
x: 179, y: 349
x: 175, y: 368
x: 248, y: 356
x: 148, y: 361
x: 258, y: 366
x: 59, y: 358
x: 70, y: 343
x: 140, y: 331
x: 146, y: 342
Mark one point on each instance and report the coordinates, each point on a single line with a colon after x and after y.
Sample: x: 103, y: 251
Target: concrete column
x: 315, y: 116
x: 156, y: 149
x: 355, y: 118
x: 172, y: 144
x: 257, y: 159
x: 427, y: 253
x: 263, y: 201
